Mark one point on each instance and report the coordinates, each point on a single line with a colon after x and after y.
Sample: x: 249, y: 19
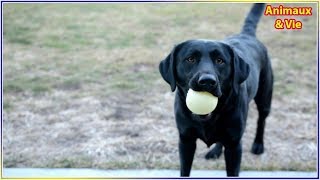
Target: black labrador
x: 236, y: 70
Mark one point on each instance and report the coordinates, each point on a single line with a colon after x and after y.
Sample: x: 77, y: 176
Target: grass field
x: 82, y: 87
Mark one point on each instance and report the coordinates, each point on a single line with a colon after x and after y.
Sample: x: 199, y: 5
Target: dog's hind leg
x: 263, y: 101
x: 215, y: 152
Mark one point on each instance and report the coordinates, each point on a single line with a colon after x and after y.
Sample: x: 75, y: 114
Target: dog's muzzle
x: 206, y: 82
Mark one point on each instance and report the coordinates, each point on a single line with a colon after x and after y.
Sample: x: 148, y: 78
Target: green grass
x: 77, y: 161
x: 291, y: 167
x: 18, y: 35
x: 7, y: 106
x: 21, y: 84
x: 136, y: 82
x: 67, y: 31
x: 16, y: 30
x: 121, y: 165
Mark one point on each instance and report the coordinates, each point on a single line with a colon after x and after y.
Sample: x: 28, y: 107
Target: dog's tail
x: 252, y: 19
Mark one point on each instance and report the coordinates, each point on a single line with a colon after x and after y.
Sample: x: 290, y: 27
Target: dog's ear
x: 167, y: 68
x: 240, y: 70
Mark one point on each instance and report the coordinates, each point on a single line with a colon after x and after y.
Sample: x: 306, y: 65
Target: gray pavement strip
x: 99, y: 173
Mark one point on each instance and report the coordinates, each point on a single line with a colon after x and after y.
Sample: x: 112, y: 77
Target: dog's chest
x: 209, y: 134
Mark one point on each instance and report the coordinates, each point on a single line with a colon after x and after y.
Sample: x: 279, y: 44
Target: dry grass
x: 82, y: 88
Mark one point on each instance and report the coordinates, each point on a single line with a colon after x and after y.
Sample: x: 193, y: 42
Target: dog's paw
x: 215, y: 153
x: 257, y: 148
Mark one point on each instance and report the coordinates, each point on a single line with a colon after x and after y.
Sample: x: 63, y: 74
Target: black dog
x: 236, y: 70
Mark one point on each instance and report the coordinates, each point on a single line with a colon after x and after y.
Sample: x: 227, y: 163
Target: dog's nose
x: 207, y: 81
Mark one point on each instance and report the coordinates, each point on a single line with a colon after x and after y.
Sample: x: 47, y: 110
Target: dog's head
x: 204, y: 65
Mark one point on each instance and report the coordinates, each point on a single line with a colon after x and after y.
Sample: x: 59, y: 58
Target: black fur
x: 236, y: 70
x: 250, y: 24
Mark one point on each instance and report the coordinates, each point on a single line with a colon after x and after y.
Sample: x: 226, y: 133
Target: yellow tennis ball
x: 201, y: 102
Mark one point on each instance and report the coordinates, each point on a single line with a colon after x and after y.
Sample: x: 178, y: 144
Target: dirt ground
x: 82, y: 87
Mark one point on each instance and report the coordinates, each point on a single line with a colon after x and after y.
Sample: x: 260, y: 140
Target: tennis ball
x: 201, y: 102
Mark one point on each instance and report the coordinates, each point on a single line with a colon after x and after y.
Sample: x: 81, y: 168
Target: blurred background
x: 82, y: 87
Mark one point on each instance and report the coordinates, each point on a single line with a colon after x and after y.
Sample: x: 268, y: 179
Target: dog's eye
x: 219, y: 61
x: 191, y: 59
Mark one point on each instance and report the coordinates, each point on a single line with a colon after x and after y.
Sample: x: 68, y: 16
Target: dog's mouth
x: 217, y: 92
x: 214, y: 91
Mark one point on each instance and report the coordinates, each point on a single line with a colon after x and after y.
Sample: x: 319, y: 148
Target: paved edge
x: 99, y: 173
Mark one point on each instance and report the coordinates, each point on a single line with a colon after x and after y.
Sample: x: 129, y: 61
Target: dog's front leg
x: 232, y: 156
x: 187, y: 148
